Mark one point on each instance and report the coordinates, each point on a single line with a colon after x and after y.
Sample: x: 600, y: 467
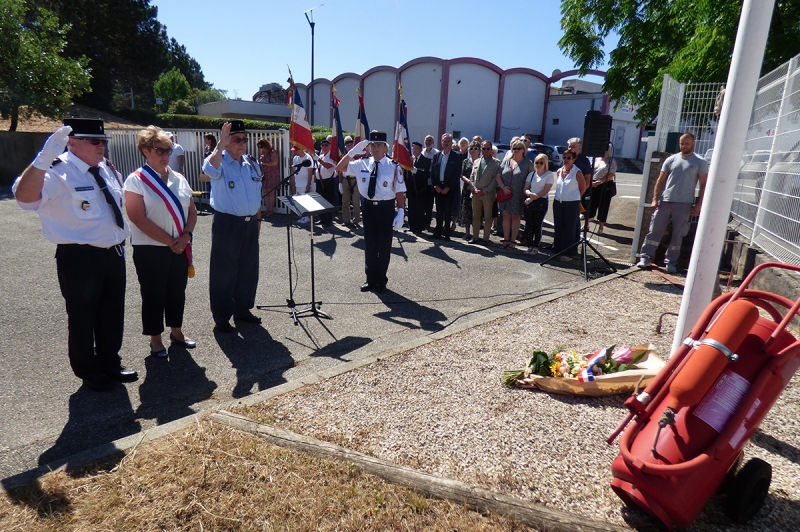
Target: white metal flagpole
x: 740, y: 92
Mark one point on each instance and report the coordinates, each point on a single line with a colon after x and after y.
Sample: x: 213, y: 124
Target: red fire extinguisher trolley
x: 686, y: 432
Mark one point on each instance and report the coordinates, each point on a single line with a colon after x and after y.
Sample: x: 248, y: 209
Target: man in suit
x: 445, y: 176
x: 484, y: 191
x: 419, y: 190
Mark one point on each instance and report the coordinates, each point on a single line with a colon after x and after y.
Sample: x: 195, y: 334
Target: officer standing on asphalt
x: 236, y: 199
x: 79, y: 200
x: 380, y: 183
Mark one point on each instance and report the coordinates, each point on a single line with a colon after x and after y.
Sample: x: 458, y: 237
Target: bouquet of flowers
x: 608, y: 370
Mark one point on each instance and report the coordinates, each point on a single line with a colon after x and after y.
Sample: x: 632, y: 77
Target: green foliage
x: 182, y: 107
x: 34, y: 73
x: 171, y: 86
x: 207, y: 95
x: 210, y: 123
x: 691, y: 40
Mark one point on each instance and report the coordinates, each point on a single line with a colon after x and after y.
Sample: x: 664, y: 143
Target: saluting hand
x: 53, y: 147
x: 225, y: 136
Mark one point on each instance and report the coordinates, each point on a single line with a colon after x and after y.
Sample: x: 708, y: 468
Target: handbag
x: 612, y: 188
x: 501, y: 194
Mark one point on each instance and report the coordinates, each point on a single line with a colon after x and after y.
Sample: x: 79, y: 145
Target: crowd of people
x: 79, y: 197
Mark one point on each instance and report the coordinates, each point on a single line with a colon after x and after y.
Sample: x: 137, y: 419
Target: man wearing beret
x: 236, y: 199
x: 381, y: 184
x: 79, y: 200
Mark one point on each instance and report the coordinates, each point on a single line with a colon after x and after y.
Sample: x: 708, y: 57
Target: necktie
x: 373, y: 180
x: 95, y: 171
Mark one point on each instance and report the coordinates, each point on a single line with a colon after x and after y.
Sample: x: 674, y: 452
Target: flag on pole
x: 299, y: 128
x: 362, y: 126
x: 337, y: 142
x: 401, y: 151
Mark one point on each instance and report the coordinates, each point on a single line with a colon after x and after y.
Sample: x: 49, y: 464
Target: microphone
x: 305, y: 163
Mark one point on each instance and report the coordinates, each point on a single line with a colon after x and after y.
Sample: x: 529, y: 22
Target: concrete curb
x: 84, y: 458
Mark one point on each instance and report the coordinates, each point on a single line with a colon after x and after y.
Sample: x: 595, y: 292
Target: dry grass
x: 214, y: 478
x: 40, y: 124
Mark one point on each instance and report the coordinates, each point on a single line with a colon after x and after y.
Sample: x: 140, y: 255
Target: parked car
x: 554, y: 159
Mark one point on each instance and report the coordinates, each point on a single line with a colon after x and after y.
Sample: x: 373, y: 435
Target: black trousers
x: 601, y: 201
x: 92, y: 281
x: 566, y: 214
x: 535, y: 212
x: 444, y: 207
x: 427, y: 202
x: 162, y: 281
x: 328, y: 188
x: 233, y: 267
x: 378, y: 232
x: 418, y: 205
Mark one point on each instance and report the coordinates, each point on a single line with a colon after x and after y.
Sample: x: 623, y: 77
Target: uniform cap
x: 86, y: 127
x: 378, y: 136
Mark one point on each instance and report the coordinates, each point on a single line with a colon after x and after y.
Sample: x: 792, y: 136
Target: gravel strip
x: 440, y: 408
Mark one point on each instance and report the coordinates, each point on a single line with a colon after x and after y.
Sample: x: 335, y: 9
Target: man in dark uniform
x: 445, y: 177
x: 80, y: 201
x: 236, y: 199
x: 380, y: 182
x: 419, y: 190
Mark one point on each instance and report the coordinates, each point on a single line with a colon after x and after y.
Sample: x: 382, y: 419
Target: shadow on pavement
x: 410, y: 314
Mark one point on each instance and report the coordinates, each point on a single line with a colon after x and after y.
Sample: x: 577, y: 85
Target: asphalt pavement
x: 48, y: 416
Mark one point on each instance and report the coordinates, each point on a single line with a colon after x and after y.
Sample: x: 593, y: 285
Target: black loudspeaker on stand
x: 596, y: 135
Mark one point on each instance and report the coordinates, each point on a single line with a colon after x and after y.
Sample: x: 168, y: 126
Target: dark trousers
x: 444, y: 208
x: 328, y: 188
x: 566, y: 214
x: 417, y: 207
x: 233, y: 268
x: 162, y: 277
x: 534, y: 217
x: 92, y: 281
x: 427, y: 202
x: 378, y: 217
x: 601, y: 201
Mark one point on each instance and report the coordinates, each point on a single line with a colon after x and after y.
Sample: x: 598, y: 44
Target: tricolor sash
x: 151, y: 178
x: 598, y: 357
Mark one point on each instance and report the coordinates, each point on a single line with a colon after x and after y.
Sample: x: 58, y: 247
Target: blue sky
x: 243, y: 44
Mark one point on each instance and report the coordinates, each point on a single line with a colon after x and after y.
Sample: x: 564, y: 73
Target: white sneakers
x: 644, y: 262
x: 303, y: 220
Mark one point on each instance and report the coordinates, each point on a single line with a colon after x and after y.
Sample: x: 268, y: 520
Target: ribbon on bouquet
x: 586, y: 374
x: 151, y: 178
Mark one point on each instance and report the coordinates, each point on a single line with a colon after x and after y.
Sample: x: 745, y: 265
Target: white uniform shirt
x: 390, y: 178
x: 301, y: 179
x: 327, y: 173
x: 73, y: 209
x: 154, y: 207
x: 177, y: 150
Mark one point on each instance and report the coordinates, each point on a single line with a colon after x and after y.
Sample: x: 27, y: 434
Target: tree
x: 171, y: 86
x: 691, y: 40
x: 34, y: 76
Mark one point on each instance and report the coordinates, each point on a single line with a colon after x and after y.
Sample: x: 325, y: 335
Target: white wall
x: 322, y: 99
x: 523, y: 106
x: 472, y: 100
x: 570, y: 112
x: 348, y: 106
x: 380, y: 89
x: 422, y: 89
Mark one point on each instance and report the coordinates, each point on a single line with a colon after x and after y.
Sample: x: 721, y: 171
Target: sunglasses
x: 487, y: 149
x: 540, y: 163
x: 95, y: 142
x: 474, y: 148
x: 517, y: 149
x: 239, y: 140
x: 568, y: 158
x: 162, y: 151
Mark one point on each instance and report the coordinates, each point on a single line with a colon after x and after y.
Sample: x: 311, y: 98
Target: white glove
x: 358, y: 149
x: 53, y: 147
x: 397, y: 223
x: 414, y: 170
x: 341, y: 189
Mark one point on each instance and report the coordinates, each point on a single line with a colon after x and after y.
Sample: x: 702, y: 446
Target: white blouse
x: 567, y: 186
x: 154, y: 207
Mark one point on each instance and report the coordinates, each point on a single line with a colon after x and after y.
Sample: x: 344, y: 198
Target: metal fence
x: 126, y: 158
x: 766, y: 204
x: 688, y: 107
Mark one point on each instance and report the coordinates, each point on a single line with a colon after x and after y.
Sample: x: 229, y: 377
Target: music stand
x: 310, y: 204
x: 596, y: 134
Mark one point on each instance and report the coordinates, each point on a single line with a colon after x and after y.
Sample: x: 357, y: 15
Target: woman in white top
x: 570, y: 186
x: 161, y: 209
x: 537, y: 186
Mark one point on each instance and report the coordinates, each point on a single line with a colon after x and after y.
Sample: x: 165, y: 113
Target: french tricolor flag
x: 337, y: 142
x: 401, y: 151
x: 299, y: 129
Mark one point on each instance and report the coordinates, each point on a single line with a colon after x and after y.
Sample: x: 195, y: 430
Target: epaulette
x: 56, y: 161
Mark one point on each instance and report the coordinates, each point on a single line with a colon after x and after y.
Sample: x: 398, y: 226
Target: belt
x: 118, y: 248
x: 245, y: 218
x: 378, y: 202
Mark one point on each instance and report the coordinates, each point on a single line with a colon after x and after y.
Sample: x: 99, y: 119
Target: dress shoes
x: 366, y: 287
x: 158, y: 353
x: 475, y: 241
x: 380, y: 289
x: 247, y: 317
x: 187, y: 343
x: 223, y: 327
x: 122, y: 375
x: 98, y: 382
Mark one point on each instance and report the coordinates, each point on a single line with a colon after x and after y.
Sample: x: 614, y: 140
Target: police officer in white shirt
x: 79, y: 201
x: 380, y: 183
x: 327, y: 183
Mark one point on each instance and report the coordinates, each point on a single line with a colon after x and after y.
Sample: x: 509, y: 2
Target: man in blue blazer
x: 445, y: 176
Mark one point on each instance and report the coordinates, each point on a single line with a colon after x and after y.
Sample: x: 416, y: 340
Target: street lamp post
x: 310, y: 20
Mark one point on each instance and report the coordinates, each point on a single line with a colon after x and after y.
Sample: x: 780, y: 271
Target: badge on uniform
x: 363, y: 179
x: 85, y: 205
x: 231, y: 184
x: 385, y: 184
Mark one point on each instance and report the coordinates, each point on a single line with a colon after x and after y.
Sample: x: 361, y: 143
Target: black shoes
x: 188, y: 343
x: 158, y: 353
x: 223, y: 327
x: 247, y: 317
x: 366, y: 287
x: 98, y: 382
x: 475, y: 241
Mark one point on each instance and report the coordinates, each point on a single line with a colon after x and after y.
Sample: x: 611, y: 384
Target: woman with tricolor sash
x: 161, y: 209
